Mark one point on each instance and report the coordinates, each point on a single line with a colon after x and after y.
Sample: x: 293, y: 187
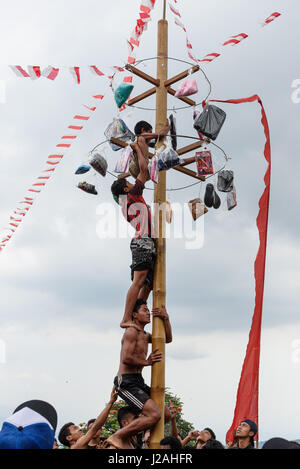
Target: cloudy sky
x: 63, y: 286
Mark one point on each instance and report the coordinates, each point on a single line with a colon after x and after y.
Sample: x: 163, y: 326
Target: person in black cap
x: 245, y: 434
x: 280, y: 443
x: 31, y: 426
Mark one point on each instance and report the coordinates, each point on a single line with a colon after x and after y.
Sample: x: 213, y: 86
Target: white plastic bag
x: 123, y: 160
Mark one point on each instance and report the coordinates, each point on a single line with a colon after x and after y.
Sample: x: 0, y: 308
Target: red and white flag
x: 180, y: 24
x: 34, y: 71
x: 50, y: 72
x: 19, y: 71
x: 96, y: 70
x: 271, y: 18
x: 174, y: 10
x: 236, y: 39
x: 76, y: 74
x: 209, y: 57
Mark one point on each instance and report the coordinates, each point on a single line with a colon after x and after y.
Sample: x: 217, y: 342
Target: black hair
x: 64, y: 432
x: 91, y: 421
x: 172, y: 441
x: 139, y: 302
x: 213, y: 436
x: 117, y: 187
x: 213, y: 444
x: 123, y: 412
x: 142, y: 125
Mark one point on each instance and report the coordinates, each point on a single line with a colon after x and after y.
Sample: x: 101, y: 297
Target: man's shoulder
x: 131, y: 331
x: 138, y: 188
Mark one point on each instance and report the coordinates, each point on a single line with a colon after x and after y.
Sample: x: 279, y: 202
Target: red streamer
x: 248, y: 389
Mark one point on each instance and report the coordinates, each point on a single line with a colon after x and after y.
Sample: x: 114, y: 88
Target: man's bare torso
x: 140, y: 351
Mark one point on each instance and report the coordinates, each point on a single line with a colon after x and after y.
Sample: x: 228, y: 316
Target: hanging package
x: 197, y: 208
x: 84, y: 168
x: 118, y: 129
x: 99, y: 163
x: 167, y: 159
x: 86, y: 187
x: 123, y: 160
x: 169, y: 212
x: 187, y: 88
x: 195, y: 116
x: 225, y: 180
x: 122, y: 93
x: 204, y: 163
x: 173, y: 132
x: 210, y: 121
x: 231, y: 199
x: 153, y: 171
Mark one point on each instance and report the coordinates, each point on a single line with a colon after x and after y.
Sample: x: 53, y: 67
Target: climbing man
x: 129, y: 382
x: 138, y: 214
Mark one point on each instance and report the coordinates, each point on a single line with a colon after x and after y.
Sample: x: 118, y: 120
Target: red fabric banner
x: 248, y: 390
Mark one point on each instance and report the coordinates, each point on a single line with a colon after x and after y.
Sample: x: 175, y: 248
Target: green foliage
x: 183, y: 426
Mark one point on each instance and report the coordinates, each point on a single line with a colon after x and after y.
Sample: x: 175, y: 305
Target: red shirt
x: 136, y: 211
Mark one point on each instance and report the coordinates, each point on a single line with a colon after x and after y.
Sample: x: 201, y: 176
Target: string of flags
x: 52, y: 162
x: 34, y: 71
x: 65, y: 142
x: 233, y: 40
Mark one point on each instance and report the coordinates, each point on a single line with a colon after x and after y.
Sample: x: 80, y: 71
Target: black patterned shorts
x: 143, y: 252
x: 134, y: 391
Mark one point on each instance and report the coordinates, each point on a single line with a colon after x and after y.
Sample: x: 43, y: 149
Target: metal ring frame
x: 174, y: 108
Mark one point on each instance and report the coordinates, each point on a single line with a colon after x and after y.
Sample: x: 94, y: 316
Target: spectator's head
x: 69, y: 434
x: 146, y: 439
x: 280, y: 443
x: 247, y: 429
x: 141, y: 312
x: 212, y: 444
x: 31, y: 426
x: 90, y: 423
x: 126, y: 415
x: 170, y: 442
x: 204, y: 436
x: 142, y: 127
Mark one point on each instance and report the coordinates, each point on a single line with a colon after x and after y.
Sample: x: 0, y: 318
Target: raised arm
x: 174, y: 429
x: 159, y: 135
x: 193, y: 435
x: 100, y: 421
x: 129, y: 356
x: 162, y: 313
x: 141, y: 149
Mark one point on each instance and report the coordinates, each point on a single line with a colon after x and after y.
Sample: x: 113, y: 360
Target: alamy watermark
x: 296, y: 351
x: 2, y: 351
x: 113, y: 225
x: 295, y: 96
x: 2, y: 91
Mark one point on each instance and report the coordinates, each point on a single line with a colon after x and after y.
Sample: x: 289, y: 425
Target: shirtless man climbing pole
x: 129, y: 382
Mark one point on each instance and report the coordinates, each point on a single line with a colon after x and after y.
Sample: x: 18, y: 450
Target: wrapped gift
x: 197, y: 208
x: 204, y: 163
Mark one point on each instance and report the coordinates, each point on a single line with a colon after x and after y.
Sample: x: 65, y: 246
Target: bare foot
x: 119, y: 443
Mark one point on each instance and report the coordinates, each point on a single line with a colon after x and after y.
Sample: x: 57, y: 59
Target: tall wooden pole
x: 159, y: 289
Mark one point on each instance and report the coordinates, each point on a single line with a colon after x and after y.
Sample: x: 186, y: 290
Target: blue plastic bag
x: 84, y: 168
